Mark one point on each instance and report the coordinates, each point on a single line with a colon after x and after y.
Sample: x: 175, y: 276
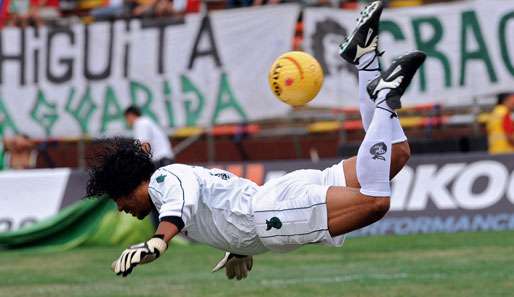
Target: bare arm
x: 167, y: 229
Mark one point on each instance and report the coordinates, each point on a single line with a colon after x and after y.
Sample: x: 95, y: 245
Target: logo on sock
x: 377, y: 150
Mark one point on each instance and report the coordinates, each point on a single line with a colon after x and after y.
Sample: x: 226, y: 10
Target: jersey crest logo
x: 160, y: 178
x: 274, y: 222
x: 377, y: 150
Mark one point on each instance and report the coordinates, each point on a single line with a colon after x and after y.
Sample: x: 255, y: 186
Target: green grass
x: 465, y: 264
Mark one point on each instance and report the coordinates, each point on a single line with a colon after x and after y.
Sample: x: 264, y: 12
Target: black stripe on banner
x: 272, y: 210
x: 183, y: 193
x: 294, y: 234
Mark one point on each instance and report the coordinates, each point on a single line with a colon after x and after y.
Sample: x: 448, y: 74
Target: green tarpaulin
x: 87, y: 222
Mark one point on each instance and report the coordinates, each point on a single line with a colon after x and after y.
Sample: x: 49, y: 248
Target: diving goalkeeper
x: 235, y: 215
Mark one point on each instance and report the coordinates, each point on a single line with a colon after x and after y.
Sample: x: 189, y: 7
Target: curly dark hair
x: 120, y: 167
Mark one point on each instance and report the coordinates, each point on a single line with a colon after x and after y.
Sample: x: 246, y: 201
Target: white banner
x: 28, y: 196
x: 470, y: 48
x: 78, y: 80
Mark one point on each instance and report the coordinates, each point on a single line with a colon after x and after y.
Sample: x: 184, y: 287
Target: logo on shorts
x: 160, y: 178
x: 377, y: 150
x: 274, y: 222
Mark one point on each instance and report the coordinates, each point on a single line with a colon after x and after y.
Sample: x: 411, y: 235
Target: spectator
x: 147, y: 131
x: 24, y: 13
x: 193, y: 6
x: 263, y: 2
x: 19, y: 12
x: 113, y: 9
x: 500, y: 128
x: 4, y: 8
x: 239, y: 3
x: 170, y: 8
x: 20, y: 152
x: 160, y: 8
x: 144, y: 8
x: 44, y: 10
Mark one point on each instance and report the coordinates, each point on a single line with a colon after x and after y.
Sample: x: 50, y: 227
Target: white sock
x: 374, y: 156
x: 367, y: 107
x: 370, y: 62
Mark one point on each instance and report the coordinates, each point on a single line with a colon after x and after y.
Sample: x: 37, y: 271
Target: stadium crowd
x: 23, y: 13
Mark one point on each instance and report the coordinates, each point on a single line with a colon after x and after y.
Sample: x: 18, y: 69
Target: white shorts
x: 291, y: 211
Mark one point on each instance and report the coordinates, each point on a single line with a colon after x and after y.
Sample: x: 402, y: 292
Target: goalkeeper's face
x: 137, y: 203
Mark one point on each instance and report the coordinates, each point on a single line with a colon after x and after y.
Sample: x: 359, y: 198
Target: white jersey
x: 215, y: 206
x: 146, y: 130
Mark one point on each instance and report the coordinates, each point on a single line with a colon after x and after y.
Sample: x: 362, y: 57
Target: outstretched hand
x: 141, y: 253
x: 236, y: 266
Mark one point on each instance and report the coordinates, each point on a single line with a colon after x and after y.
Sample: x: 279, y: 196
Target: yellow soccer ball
x: 295, y: 78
